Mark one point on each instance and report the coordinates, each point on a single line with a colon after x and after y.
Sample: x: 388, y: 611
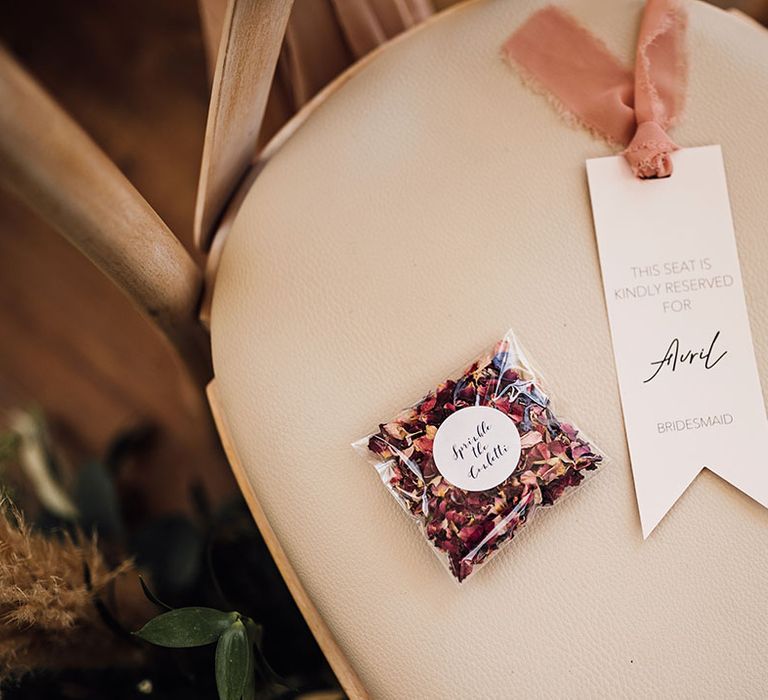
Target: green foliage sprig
x: 236, y: 636
x: 238, y: 646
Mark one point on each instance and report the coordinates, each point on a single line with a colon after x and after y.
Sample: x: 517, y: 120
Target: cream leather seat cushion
x: 428, y: 205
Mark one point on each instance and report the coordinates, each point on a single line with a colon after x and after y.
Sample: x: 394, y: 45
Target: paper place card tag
x: 689, y: 384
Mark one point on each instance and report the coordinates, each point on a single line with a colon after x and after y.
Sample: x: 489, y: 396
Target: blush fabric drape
x: 633, y: 108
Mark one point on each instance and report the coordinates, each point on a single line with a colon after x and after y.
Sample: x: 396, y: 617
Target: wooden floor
x: 133, y: 74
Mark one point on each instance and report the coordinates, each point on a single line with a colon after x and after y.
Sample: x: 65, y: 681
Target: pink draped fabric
x: 591, y: 86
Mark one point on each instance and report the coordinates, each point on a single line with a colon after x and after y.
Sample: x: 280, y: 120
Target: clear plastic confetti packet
x: 474, y: 459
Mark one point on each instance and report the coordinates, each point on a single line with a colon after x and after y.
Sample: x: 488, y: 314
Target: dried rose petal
x: 467, y: 527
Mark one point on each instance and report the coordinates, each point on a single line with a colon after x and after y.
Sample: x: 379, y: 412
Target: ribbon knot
x: 649, y: 154
x: 590, y: 86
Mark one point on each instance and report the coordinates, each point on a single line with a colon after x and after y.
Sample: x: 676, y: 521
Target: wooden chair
x: 417, y: 208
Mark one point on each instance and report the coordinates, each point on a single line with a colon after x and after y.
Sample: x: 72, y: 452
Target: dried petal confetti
x: 474, y: 459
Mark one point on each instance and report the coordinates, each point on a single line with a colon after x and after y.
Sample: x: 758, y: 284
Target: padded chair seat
x: 426, y: 206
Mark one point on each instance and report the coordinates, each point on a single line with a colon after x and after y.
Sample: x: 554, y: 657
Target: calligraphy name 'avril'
x: 674, y: 358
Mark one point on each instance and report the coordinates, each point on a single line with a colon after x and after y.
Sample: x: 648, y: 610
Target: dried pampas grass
x: 48, y: 618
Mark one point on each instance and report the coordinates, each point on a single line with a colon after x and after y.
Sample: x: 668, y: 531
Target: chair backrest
x: 51, y: 164
x: 250, y: 44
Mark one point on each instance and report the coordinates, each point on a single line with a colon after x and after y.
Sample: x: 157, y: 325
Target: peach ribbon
x: 590, y: 86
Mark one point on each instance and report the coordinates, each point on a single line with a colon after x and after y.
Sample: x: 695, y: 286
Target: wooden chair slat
x: 250, y: 44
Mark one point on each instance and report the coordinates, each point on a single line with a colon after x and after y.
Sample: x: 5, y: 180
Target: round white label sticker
x: 477, y: 448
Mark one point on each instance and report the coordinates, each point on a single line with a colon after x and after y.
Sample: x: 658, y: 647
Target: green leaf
x: 234, y: 662
x: 255, y: 632
x: 151, y: 597
x: 187, y: 627
x: 171, y: 548
x: 96, y: 500
x: 249, y: 692
x: 9, y: 446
